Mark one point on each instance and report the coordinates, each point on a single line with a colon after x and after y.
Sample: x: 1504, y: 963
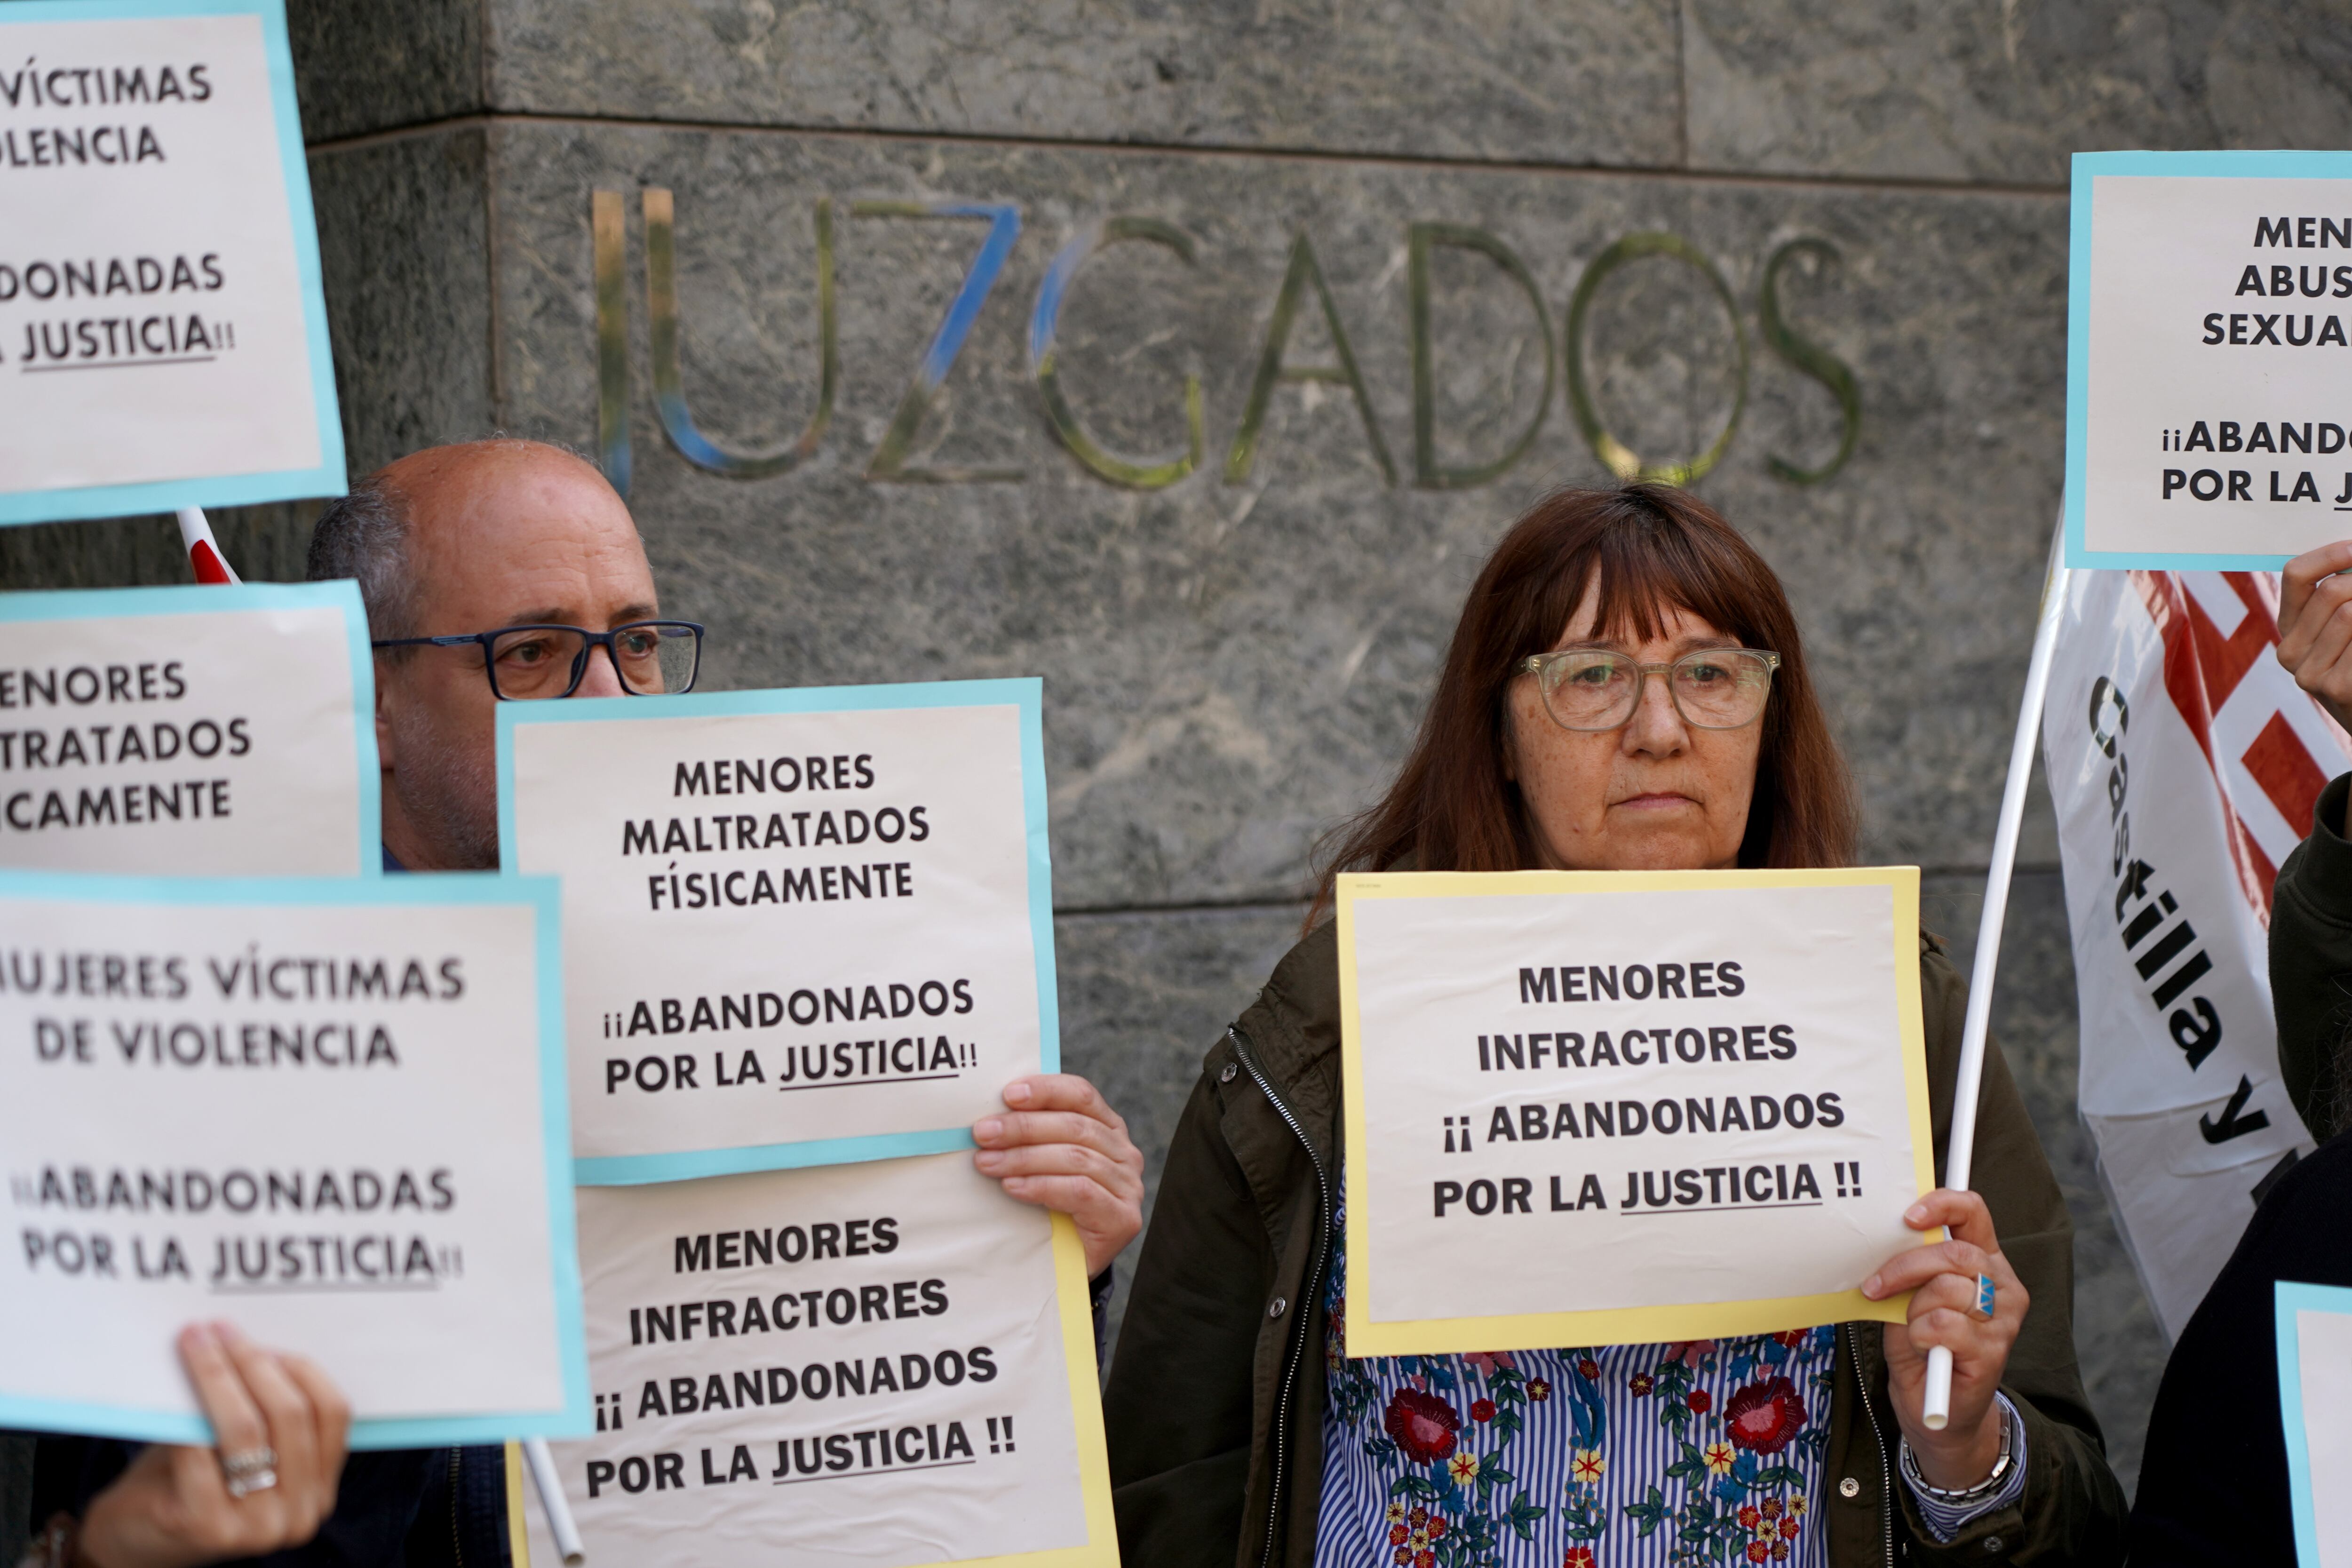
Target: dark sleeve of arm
x: 2073, y: 1508
x: 1099, y: 1295
x: 1178, y: 1407
x: 2311, y: 961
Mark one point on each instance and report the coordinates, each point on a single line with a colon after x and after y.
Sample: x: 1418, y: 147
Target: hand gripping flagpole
x: 1935, y: 1403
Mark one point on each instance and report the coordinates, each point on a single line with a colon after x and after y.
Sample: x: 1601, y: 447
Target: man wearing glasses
x: 492, y: 571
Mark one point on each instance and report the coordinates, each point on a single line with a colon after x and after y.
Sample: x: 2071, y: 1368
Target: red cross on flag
x: 2184, y: 762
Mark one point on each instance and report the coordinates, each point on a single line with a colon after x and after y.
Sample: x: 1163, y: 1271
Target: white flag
x: 2184, y: 762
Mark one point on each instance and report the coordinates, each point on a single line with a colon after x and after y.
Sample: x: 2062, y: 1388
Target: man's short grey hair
x: 365, y: 535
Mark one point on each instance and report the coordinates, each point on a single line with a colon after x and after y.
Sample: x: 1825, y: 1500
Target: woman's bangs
x: 1647, y: 571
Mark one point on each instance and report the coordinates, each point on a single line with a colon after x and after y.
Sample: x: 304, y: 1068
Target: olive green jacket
x: 1215, y: 1402
x: 2311, y: 967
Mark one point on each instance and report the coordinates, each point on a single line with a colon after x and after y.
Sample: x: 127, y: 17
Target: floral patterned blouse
x: 1708, y: 1452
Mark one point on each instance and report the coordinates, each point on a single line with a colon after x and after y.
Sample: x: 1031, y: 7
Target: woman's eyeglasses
x: 1595, y: 688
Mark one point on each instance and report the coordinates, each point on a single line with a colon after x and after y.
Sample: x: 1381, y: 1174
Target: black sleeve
x: 2213, y: 1480
x: 2310, y: 964
x: 1177, y: 1408
x: 1098, y: 1293
x: 378, y: 1499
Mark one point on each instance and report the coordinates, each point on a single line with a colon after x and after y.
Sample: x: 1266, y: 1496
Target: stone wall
x: 1234, y: 661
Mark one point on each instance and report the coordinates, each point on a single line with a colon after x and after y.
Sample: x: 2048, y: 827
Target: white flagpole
x: 1937, y: 1397
x: 205, y: 557
x: 542, y: 1465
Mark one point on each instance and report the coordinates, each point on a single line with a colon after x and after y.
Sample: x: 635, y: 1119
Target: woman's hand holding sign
x: 1944, y: 1280
x: 1062, y: 1147
x: 283, y: 1428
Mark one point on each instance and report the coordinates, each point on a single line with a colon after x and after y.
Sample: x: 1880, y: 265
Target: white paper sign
x: 2314, y: 1326
x: 202, y: 731
x: 162, y: 335
x: 799, y: 926
x: 2208, y: 357
x: 1604, y: 1107
x: 331, y: 1112
x: 869, y: 1366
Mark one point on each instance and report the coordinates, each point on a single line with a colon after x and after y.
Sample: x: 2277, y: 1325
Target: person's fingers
x: 2312, y: 647
x: 2306, y: 571
x: 330, y: 1409
x: 1946, y: 1293
x: 1915, y: 1266
x: 1011, y: 1129
x: 1063, y: 1160
x: 237, y: 1421
x: 1961, y: 1213
x: 199, y: 1491
x: 1971, y: 1340
x: 1062, y: 1092
x: 1104, y: 1223
x: 293, y: 1425
x: 2322, y: 670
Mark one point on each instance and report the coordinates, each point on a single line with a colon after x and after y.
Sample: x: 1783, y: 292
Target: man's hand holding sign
x: 1060, y: 1145
x: 281, y: 1428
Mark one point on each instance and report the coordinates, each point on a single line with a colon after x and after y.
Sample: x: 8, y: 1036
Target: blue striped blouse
x: 1613, y: 1456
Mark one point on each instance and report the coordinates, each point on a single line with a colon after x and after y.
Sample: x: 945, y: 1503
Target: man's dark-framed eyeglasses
x: 529, y: 664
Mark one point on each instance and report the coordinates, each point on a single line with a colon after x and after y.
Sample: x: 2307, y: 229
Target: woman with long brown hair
x: 1626, y: 690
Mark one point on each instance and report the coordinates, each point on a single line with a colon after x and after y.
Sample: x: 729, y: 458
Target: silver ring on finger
x: 249, y: 1470
x: 1981, y: 1308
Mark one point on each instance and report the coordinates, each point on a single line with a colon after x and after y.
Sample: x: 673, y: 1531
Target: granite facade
x: 1320, y: 74
x: 1235, y: 660
x: 2004, y: 92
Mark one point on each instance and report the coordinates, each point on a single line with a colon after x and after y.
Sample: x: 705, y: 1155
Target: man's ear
x: 387, y: 678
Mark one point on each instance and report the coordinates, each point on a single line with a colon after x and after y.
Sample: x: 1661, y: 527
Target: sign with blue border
x: 162, y: 328
x: 2209, y: 359
x: 2315, y: 1362
x: 197, y: 730
x: 802, y: 927
x: 2315, y: 1414
x: 334, y: 1110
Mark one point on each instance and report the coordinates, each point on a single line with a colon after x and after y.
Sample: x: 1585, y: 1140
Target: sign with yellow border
x: 1613, y: 1108
x: 884, y: 1364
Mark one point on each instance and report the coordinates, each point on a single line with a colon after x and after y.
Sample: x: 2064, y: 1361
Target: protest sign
x: 331, y: 1111
x: 202, y: 731
x: 162, y: 333
x: 2314, y: 1365
x: 1601, y: 1107
x: 799, y: 926
x: 2208, y: 298
x: 886, y: 1364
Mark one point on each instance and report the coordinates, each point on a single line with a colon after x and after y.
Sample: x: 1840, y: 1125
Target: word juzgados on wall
x: 1303, y: 279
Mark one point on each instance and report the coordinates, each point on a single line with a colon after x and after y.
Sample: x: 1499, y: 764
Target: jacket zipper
x: 457, y: 1539
x: 1886, y: 1477
x: 1307, y: 1302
